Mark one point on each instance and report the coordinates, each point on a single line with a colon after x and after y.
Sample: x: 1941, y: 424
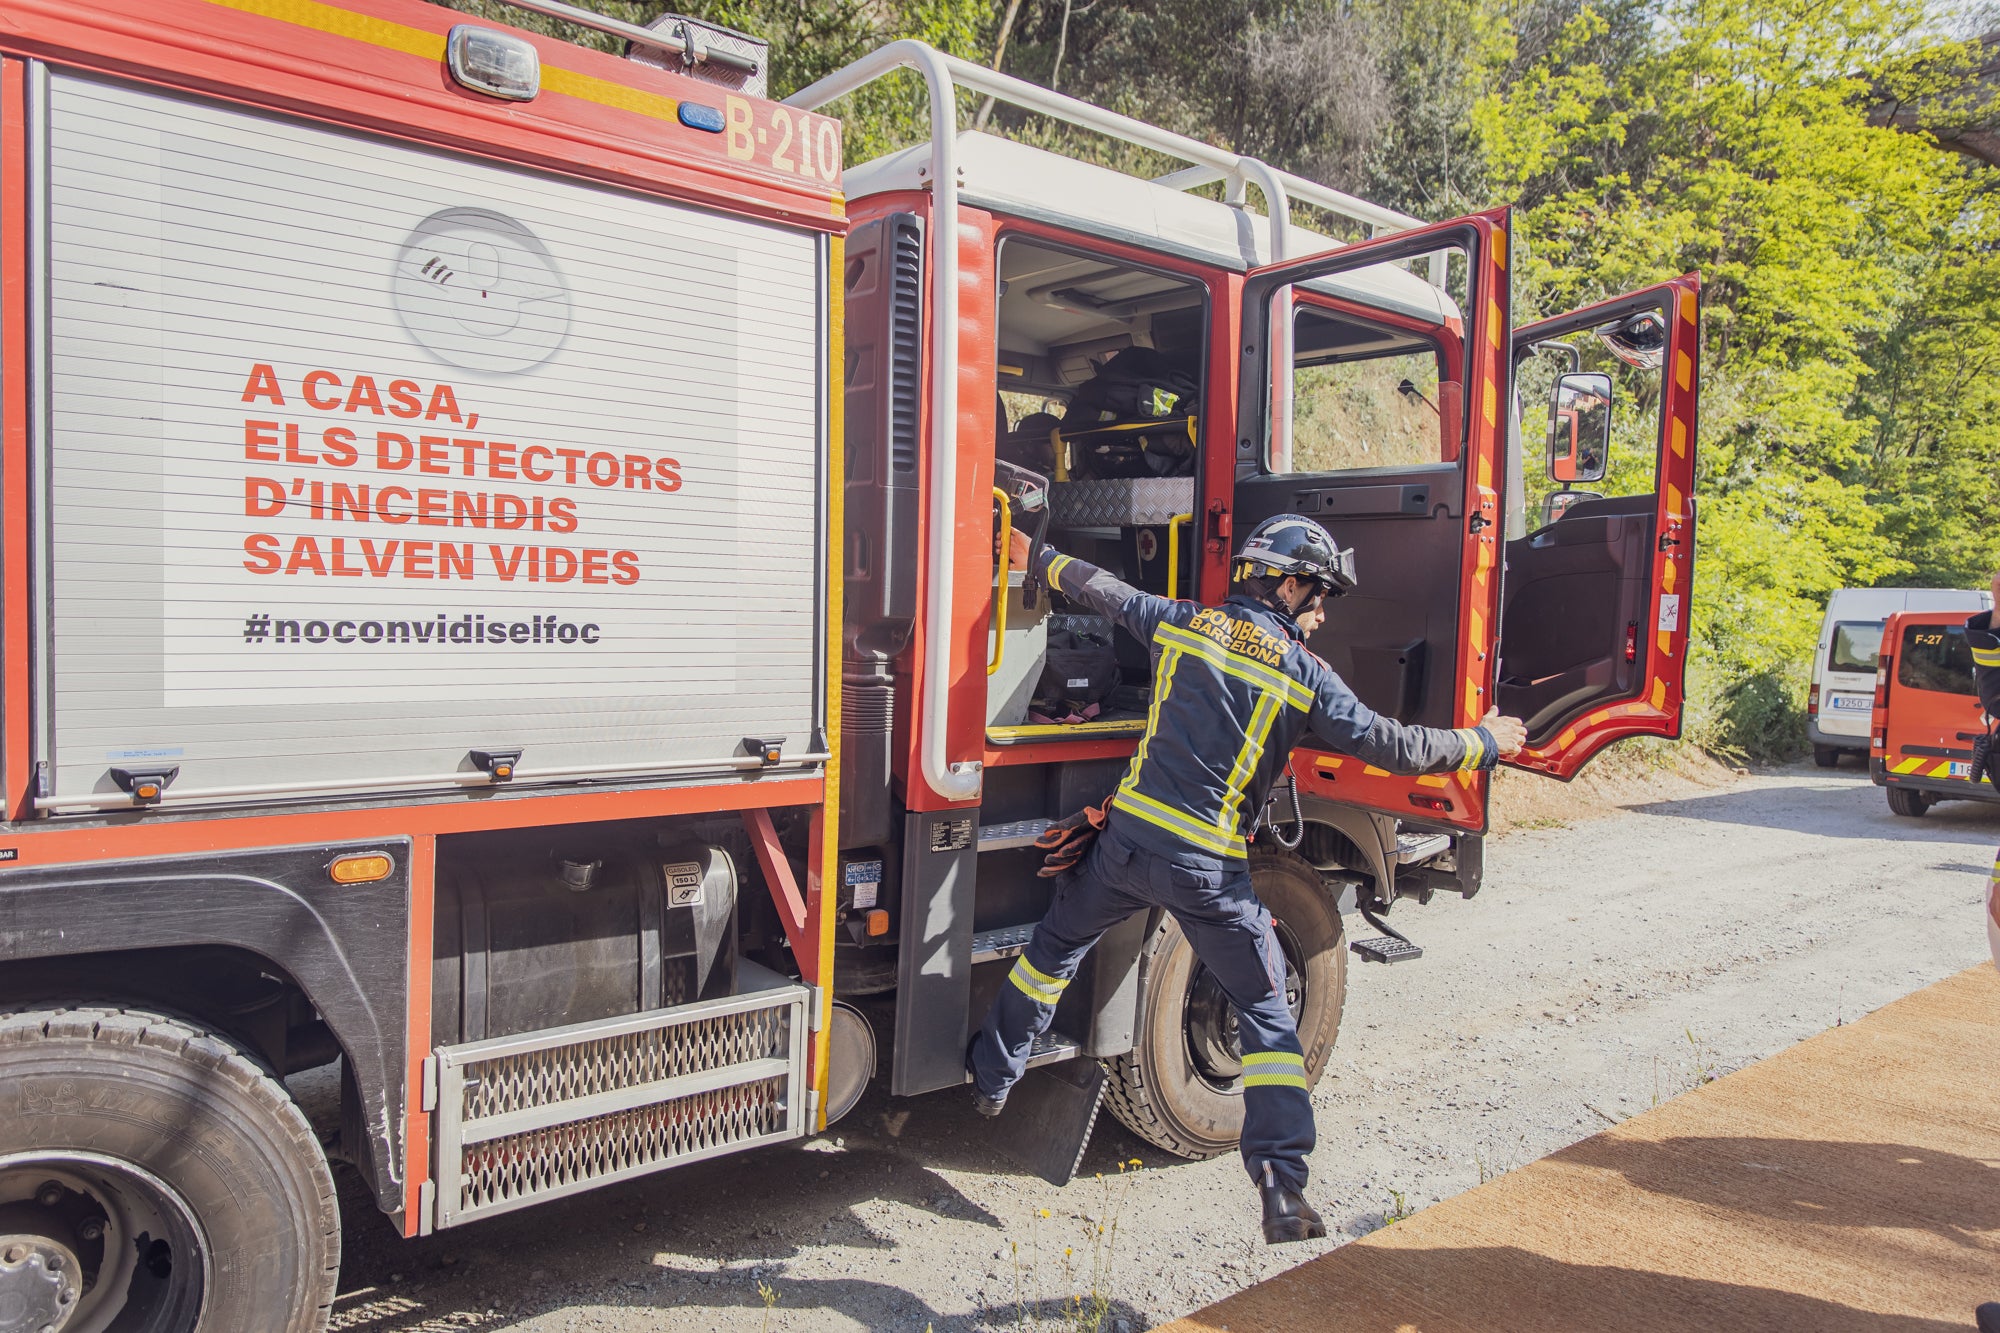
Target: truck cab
x: 1927, y: 714
x: 1178, y: 365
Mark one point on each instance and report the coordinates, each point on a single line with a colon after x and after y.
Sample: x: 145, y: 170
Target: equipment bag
x: 1081, y: 668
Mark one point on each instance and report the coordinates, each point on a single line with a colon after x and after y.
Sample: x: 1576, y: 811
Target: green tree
x: 1738, y: 141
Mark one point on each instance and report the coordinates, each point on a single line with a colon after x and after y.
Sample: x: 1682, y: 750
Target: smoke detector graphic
x: 479, y: 291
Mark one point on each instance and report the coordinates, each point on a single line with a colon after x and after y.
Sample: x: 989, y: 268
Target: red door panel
x: 1577, y: 696
x: 1453, y: 508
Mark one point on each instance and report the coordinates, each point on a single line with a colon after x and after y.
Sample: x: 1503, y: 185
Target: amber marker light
x: 877, y: 922
x: 364, y: 868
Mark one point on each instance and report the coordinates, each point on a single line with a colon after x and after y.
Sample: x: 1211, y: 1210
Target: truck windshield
x: 1855, y: 645
x: 1935, y: 657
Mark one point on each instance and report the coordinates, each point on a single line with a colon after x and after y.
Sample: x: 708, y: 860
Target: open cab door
x: 1375, y: 401
x: 1594, y: 612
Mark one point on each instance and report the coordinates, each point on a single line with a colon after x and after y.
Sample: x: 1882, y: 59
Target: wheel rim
x: 1210, y: 1025
x: 144, y: 1258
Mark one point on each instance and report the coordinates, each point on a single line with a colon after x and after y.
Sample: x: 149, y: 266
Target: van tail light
x: 1812, y: 702
x: 1631, y: 640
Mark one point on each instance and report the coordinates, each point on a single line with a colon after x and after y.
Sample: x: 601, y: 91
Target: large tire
x: 1175, y: 1089
x: 118, y: 1124
x: 1908, y: 803
x: 1826, y: 756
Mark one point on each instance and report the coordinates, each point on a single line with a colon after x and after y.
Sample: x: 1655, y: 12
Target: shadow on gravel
x: 702, y: 1236
x: 1456, y: 1290
x: 1826, y: 805
x: 1812, y: 1183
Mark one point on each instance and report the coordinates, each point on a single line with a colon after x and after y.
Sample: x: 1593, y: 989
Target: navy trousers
x: 1231, y: 933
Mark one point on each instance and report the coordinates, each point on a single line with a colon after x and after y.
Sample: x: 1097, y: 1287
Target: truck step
x: 1005, y: 942
x: 1391, y: 946
x: 1053, y: 1048
x: 1020, y: 833
x: 1414, y: 847
x: 1388, y: 949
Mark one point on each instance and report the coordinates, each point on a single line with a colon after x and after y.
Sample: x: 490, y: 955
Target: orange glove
x: 1065, y: 841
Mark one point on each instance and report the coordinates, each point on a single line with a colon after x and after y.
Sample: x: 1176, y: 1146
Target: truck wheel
x: 1826, y: 756
x: 1180, y: 1087
x: 1910, y: 804
x: 170, y: 1177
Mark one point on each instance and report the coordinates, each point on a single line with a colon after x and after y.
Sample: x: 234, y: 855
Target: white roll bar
x: 943, y: 75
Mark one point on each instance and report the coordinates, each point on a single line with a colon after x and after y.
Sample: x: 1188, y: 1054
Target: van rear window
x: 1855, y: 645
x: 1935, y: 657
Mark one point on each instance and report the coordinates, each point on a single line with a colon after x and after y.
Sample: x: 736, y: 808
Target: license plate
x: 1959, y: 770
x: 1852, y: 703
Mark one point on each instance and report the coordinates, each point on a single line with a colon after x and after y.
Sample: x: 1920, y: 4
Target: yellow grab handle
x: 1174, y: 554
x: 1000, y: 582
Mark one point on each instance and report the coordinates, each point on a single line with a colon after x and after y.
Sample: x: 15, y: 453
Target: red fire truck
x: 447, y: 640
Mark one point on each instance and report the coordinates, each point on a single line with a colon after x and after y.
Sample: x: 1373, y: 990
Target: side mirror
x: 1561, y: 502
x: 1580, y: 427
x: 1638, y: 340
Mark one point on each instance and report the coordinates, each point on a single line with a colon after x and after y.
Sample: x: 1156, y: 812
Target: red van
x: 1927, y: 713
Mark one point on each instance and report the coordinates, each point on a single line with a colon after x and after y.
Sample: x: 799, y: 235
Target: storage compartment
x: 1100, y: 387
x: 1023, y: 649
x: 531, y: 934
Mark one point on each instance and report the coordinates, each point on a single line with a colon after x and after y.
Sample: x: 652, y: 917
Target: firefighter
x: 1983, y: 637
x: 1233, y: 690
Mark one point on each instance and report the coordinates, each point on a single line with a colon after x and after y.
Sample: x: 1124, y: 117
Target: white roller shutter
x: 363, y: 457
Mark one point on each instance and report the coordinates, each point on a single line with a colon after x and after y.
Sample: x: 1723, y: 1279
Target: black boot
x: 1287, y: 1215
x: 986, y: 1106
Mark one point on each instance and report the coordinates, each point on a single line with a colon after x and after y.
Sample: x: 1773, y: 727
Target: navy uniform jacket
x: 1985, y: 644
x: 1234, y: 689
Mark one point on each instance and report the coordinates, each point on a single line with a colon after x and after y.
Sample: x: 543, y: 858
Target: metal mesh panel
x: 565, y: 1073
x: 521, y: 1167
x: 544, y: 1114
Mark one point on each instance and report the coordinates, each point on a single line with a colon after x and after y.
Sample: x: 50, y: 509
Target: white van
x: 1843, y: 677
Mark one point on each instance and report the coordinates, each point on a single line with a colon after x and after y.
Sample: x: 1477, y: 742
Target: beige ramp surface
x: 1851, y: 1182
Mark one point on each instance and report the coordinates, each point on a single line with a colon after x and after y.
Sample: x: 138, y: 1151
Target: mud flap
x: 1049, y: 1116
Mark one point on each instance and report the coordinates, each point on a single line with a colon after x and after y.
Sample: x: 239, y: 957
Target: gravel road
x: 1607, y: 965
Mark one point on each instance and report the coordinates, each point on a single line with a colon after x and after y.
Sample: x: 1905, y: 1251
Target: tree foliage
x: 1795, y: 152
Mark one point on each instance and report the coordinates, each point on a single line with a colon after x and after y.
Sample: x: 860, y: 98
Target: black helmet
x: 1295, y: 545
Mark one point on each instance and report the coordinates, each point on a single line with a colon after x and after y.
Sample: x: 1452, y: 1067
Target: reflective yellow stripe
x: 1908, y: 765
x: 1275, y: 1081
x: 1053, y: 983
x: 1024, y: 976
x: 1475, y: 749
x: 430, y: 46
x: 1141, y: 806
x: 1234, y: 664
x: 1163, y: 685
x: 1986, y: 657
x: 1056, y: 566
x: 1274, y: 1058
x: 1261, y: 718
x: 1274, y: 1069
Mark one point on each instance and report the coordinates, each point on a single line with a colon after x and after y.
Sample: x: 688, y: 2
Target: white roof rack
x: 1020, y: 180
x: 943, y: 75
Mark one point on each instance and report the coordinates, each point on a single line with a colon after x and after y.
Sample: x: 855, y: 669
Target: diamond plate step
x: 1005, y: 942
x: 1020, y: 833
x: 1414, y: 847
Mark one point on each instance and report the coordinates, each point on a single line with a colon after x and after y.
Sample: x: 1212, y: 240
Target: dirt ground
x: 1610, y: 963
